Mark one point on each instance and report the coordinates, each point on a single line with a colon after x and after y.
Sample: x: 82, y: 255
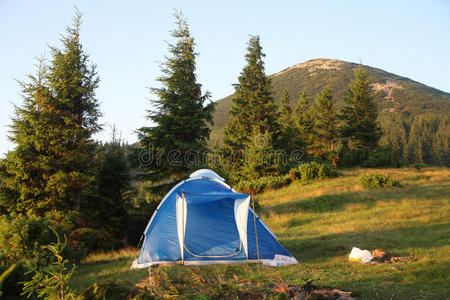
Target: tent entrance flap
x: 213, y: 226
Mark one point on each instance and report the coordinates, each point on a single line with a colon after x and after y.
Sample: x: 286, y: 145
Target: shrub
x: 312, y: 170
x: 383, y: 157
x: 21, y: 239
x: 51, y: 280
x: 374, y: 181
x: 262, y: 184
x: 353, y: 157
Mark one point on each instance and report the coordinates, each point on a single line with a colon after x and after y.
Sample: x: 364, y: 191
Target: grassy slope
x: 320, y: 223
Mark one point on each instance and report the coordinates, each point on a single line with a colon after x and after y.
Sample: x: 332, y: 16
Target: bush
x: 21, y: 239
x: 262, y: 184
x: 312, y: 170
x: 383, y: 157
x: 354, y: 157
x: 376, y: 181
x: 51, y: 281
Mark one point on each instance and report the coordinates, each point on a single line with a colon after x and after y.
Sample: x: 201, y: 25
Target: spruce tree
x: 441, y: 143
x: 360, y: 113
x: 112, y: 173
x: 51, y: 165
x: 325, y: 127
x: 181, y: 114
x: 253, y: 107
x: 290, y: 138
x: 24, y: 170
x: 302, y: 117
x: 259, y: 156
x: 285, y: 110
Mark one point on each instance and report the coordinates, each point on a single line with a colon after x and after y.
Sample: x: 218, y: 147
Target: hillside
x: 319, y: 223
x: 392, y: 92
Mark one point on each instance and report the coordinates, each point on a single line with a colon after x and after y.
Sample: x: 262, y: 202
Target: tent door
x: 212, y: 229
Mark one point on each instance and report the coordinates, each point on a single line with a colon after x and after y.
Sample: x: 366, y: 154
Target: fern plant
x: 51, y: 281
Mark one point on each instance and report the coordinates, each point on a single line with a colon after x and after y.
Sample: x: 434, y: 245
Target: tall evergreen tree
x: 395, y: 127
x: 441, y: 143
x: 112, y: 172
x: 253, y: 107
x: 360, y: 113
x: 50, y: 168
x: 181, y: 114
x: 419, y: 148
x: 285, y: 110
x: 261, y: 159
x: 302, y: 117
x: 325, y: 127
x: 290, y: 139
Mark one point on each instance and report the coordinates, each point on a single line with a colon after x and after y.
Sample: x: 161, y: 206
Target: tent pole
x: 182, y: 226
x: 256, y: 231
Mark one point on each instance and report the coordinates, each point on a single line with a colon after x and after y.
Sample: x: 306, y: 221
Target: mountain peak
x: 314, y: 64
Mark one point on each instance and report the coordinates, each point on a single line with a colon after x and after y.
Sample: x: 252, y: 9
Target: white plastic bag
x: 280, y: 260
x: 359, y: 255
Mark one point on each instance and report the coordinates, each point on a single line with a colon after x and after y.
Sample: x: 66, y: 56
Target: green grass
x: 319, y: 223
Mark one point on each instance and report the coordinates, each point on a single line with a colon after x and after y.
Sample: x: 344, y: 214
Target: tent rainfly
x: 203, y: 221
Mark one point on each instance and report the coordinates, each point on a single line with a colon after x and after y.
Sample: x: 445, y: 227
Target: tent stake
x: 256, y: 231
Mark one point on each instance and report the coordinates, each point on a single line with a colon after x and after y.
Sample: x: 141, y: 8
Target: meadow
x: 319, y: 223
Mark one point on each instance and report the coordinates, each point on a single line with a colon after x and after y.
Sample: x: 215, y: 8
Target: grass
x: 319, y: 223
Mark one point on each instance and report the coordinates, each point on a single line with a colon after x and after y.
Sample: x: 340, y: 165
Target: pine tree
x: 285, y: 110
x: 50, y: 168
x: 181, y: 115
x: 253, y: 107
x: 360, y: 113
x: 259, y: 156
x: 419, y: 148
x: 324, y: 133
x: 441, y: 143
x: 302, y: 117
x: 24, y: 170
x: 290, y: 139
x: 395, y: 127
x: 112, y: 173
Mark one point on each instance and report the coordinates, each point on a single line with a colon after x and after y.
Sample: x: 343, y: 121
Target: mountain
x: 393, y: 93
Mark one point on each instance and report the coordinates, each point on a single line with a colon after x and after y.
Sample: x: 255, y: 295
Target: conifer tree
x: 360, y: 113
x: 253, y: 107
x: 181, y: 113
x: 441, y: 143
x: 112, y: 173
x: 324, y: 133
x: 290, y: 139
x: 261, y: 159
x: 285, y: 110
x: 50, y: 168
x: 302, y: 117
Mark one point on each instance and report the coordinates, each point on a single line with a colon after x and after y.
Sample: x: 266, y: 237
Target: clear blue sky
x: 126, y: 40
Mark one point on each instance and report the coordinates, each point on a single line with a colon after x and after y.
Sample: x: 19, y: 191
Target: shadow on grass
x: 98, y: 271
x: 337, y: 201
x: 395, y: 241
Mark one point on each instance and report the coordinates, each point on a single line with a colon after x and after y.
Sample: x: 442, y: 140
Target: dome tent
x: 204, y: 221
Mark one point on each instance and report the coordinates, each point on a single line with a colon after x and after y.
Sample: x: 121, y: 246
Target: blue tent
x: 203, y: 221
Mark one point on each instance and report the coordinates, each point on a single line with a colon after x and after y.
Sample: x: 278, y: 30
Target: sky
x: 127, y: 40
